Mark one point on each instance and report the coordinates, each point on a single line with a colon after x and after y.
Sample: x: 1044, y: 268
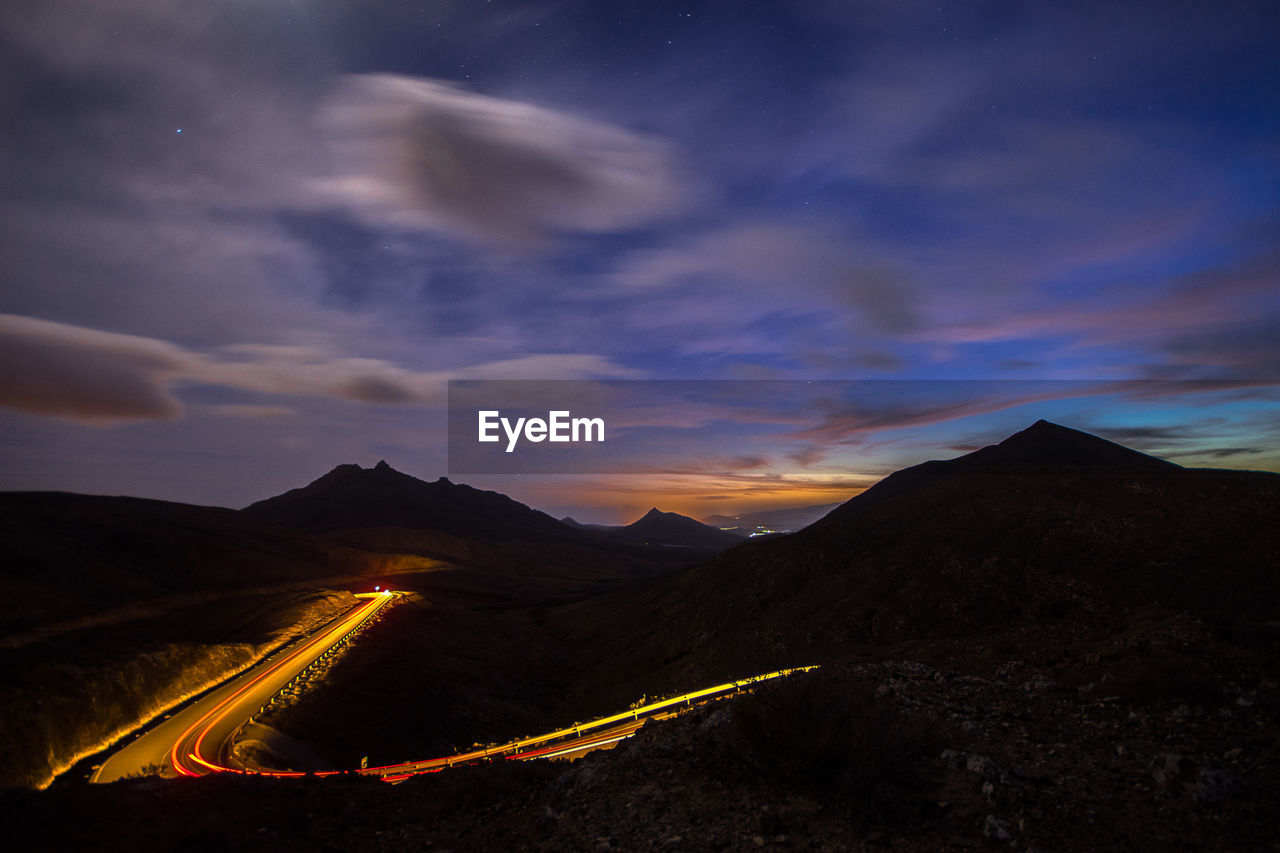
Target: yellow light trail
x: 517, y: 749
x: 190, y: 756
x: 238, y: 701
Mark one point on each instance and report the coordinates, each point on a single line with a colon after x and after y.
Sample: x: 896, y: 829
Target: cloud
x: 781, y: 265
x: 248, y: 410
x: 1224, y: 452
x: 89, y: 375
x: 549, y: 365
x: 71, y: 372
x: 807, y: 456
x: 1220, y: 317
x: 871, y: 408
x: 100, y: 93
x: 299, y: 370
x: 426, y: 153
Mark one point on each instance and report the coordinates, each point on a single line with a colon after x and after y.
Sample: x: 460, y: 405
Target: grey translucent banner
x: 648, y: 426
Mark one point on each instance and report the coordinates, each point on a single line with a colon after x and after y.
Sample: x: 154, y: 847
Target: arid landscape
x: 1053, y: 643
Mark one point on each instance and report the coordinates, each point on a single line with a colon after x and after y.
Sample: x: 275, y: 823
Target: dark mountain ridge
x: 380, y: 509
x: 350, y: 497
x: 1043, y: 446
x: 1046, y: 535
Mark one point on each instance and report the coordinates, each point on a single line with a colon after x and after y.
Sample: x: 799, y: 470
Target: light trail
x: 244, y: 702
x: 199, y: 749
x: 572, y: 737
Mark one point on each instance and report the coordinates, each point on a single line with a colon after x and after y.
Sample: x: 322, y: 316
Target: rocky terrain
x: 893, y: 755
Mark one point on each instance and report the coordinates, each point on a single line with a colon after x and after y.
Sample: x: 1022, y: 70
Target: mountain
x: 382, y: 510
x: 664, y: 530
x: 67, y: 555
x: 1043, y: 446
x: 780, y: 520
x: 350, y: 497
x: 673, y: 530
x: 598, y: 528
x: 1048, y: 536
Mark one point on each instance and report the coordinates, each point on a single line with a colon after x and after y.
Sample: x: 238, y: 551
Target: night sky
x: 243, y: 242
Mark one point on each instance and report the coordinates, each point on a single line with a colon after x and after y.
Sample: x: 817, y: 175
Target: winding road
x: 199, y: 739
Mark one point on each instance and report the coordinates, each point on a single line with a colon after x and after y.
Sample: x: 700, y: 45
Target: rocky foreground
x: 1155, y: 742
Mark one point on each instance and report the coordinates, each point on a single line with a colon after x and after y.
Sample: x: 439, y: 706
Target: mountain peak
x: 1043, y: 445
x: 671, y: 528
x: 1047, y: 443
x: 350, y: 497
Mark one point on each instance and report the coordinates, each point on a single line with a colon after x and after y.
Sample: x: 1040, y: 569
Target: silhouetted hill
x: 383, y: 510
x: 1041, y: 446
x: 350, y: 497
x: 1048, y: 535
x: 672, y: 529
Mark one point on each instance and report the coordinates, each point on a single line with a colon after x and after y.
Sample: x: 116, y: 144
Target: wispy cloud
x: 429, y: 153
x: 780, y: 267
x: 95, y: 376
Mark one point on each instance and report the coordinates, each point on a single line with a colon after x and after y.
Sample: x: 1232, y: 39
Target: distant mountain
x: 1049, y: 535
x: 350, y: 497
x: 382, y: 510
x: 598, y: 528
x: 673, y: 530
x: 664, y: 529
x: 780, y: 520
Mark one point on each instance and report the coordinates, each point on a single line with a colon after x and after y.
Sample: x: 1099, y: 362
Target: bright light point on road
x: 376, y: 588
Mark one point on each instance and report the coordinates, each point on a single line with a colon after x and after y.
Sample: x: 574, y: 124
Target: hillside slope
x: 67, y: 555
x: 1050, y: 534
